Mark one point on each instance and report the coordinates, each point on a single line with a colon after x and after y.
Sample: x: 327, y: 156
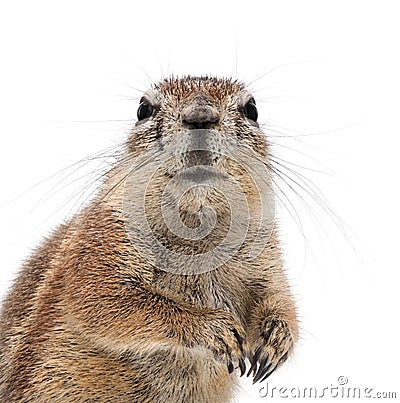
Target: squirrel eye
x: 250, y: 110
x: 144, y: 111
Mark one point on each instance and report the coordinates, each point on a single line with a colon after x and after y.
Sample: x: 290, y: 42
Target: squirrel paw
x: 271, y: 349
x: 227, y: 340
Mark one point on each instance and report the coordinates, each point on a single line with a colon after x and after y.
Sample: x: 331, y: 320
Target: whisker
x: 301, y: 186
x: 54, y: 191
x: 291, y: 149
x: 315, y: 195
x: 313, y: 134
x: 276, y: 160
x: 103, y: 121
x: 100, y: 154
x: 259, y: 77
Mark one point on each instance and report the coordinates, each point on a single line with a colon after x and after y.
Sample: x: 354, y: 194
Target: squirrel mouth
x: 198, y: 166
x: 201, y: 167
x: 202, y: 174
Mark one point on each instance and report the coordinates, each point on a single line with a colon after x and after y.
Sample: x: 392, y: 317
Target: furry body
x: 90, y: 319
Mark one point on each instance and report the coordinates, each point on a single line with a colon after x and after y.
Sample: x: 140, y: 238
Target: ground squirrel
x: 170, y: 281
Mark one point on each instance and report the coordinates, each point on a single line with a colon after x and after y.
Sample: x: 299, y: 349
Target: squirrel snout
x: 200, y: 114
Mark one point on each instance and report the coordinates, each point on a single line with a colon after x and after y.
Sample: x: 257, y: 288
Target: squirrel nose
x: 200, y: 114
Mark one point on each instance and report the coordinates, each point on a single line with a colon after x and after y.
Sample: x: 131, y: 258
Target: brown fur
x: 91, y: 320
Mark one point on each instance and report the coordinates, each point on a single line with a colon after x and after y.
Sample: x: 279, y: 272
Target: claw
x: 282, y: 359
x: 242, y: 366
x: 253, y: 368
x: 251, y: 359
x: 254, y: 360
x: 262, y: 370
x: 269, y: 373
x: 239, y: 339
x: 230, y: 367
x: 261, y: 367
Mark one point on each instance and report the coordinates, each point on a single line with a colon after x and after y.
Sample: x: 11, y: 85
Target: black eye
x: 144, y: 111
x: 250, y: 110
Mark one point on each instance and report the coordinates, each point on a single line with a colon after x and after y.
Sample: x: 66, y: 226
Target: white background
x: 328, y: 92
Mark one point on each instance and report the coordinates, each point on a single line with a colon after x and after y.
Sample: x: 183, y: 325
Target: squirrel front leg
x: 273, y: 325
x: 130, y: 318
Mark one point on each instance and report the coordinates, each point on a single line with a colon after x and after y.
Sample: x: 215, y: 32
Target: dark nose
x: 200, y: 114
